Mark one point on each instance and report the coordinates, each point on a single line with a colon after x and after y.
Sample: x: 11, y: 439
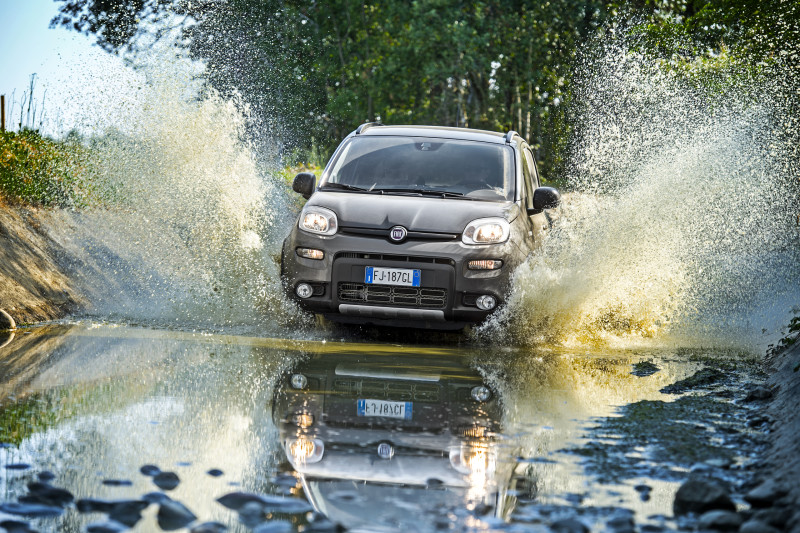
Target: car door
x: 537, y: 223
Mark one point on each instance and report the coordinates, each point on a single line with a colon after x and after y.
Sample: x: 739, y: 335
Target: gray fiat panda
x: 415, y: 226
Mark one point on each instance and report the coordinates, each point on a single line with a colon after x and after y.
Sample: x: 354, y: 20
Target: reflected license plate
x: 408, y: 277
x: 385, y: 409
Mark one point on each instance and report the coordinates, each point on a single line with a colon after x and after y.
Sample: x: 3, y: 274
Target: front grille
x: 394, y: 296
x: 398, y: 258
x: 387, y: 390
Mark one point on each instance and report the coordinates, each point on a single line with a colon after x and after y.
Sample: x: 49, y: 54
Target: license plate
x: 393, y: 276
x: 384, y: 408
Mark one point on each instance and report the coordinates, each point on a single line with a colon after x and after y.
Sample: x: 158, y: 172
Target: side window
x: 534, y: 170
x: 529, y: 173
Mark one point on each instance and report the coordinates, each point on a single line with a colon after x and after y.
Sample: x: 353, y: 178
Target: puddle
x: 368, y: 436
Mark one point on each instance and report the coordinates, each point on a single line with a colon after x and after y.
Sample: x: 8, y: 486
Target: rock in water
x: 569, y: 525
x: 765, y: 494
x: 720, y: 521
x: 757, y: 526
x: 174, y: 515
x: 699, y: 496
x: 274, y: 526
x: 13, y: 526
x: 31, y: 510
x: 109, y: 526
x: 150, y: 470
x: 166, y: 480
x: 209, y: 527
x: 47, y: 494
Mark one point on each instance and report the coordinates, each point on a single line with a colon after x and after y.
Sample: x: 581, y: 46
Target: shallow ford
x: 415, y: 226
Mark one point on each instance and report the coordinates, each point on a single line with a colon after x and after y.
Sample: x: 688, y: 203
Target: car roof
x: 431, y: 131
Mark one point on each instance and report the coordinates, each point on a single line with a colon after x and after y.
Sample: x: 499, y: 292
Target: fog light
x: 304, y: 290
x: 480, y: 393
x: 485, y: 264
x: 299, y: 381
x: 487, y: 302
x: 304, y: 450
x: 311, y: 253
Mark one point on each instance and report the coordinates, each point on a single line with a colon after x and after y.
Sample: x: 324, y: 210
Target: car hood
x: 415, y: 213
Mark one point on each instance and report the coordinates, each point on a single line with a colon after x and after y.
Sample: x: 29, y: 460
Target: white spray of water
x: 681, y: 226
x: 196, y: 220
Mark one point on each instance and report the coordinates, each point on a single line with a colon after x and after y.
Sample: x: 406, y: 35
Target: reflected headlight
x: 473, y: 459
x: 303, y: 450
x: 318, y: 220
x: 486, y: 231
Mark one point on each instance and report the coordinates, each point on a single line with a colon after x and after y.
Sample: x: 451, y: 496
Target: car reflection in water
x: 394, y: 443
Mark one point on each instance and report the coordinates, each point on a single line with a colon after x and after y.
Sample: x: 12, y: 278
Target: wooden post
x: 3, y: 113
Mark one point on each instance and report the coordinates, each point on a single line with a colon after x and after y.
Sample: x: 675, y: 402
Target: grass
x: 36, y: 170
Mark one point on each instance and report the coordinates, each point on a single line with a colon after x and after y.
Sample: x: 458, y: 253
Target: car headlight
x: 318, y: 220
x: 486, y: 231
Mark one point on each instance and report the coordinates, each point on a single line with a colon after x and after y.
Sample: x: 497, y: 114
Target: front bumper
x: 446, y: 296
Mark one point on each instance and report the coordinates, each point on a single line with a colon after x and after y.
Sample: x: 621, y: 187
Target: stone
x: 46, y: 476
x: 117, y: 482
x: 759, y: 393
x: 6, y: 321
x: 701, y: 495
x: 252, y: 514
x: 569, y: 525
x: 17, y: 466
x: 174, y: 515
x: 209, y: 527
x: 14, y: 526
x: 644, y: 369
x: 274, y: 526
x: 776, y: 516
x: 166, y: 480
x: 150, y: 470
x: 128, y: 512
x: 701, y: 379
x: 109, y: 526
x: 765, y: 494
x: 720, y: 520
x: 31, y: 510
x: 155, y: 497
x: 621, y: 522
x: 757, y: 526
x: 47, y: 494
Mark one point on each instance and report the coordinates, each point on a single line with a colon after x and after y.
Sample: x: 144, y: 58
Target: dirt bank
x: 34, y: 280
x: 783, y: 458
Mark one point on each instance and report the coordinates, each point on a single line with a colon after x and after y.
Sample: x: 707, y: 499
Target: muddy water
x: 368, y: 435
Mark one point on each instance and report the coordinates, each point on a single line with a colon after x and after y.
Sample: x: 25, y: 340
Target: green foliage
x: 312, y: 71
x: 40, y: 171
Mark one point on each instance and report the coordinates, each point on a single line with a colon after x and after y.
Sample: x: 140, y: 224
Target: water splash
x: 681, y: 226
x: 196, y: 217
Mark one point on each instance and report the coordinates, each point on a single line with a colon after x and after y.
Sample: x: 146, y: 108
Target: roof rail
x: 366, y: 125
x: 510, y: 135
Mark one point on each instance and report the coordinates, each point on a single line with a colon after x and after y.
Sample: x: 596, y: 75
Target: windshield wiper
x: 443, y: 194
x: 344, y: 186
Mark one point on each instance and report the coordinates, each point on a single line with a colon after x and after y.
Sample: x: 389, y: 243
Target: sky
x: 68, y: 66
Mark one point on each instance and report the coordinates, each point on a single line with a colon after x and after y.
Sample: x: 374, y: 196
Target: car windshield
x: 422, y: 165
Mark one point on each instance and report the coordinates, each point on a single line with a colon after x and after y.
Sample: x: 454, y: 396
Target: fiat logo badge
x: 398, y: 233
x: 385, y: 450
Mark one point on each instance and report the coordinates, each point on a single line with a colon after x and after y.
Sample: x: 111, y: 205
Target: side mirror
x: 544, y: 198
x: 304, y: 184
